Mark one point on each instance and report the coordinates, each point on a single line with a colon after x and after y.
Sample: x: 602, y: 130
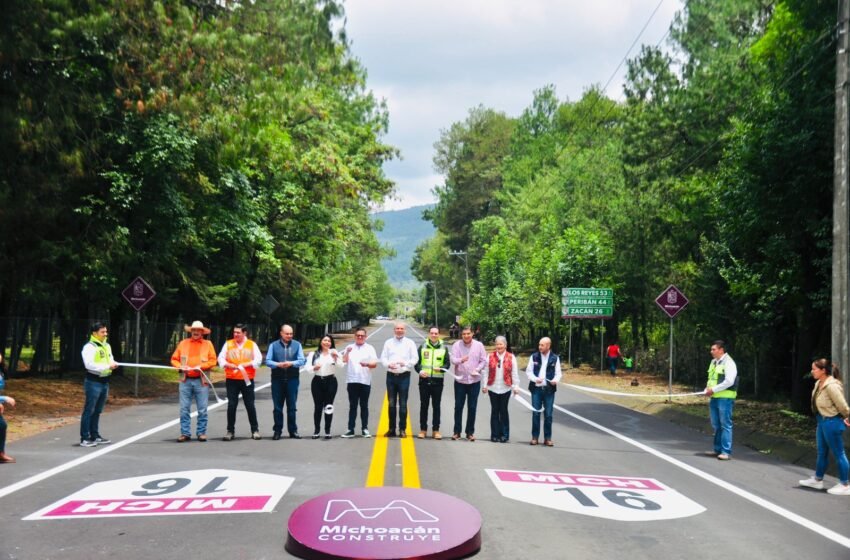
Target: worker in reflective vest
x: 431, y: 368
x: 722, y: 387
x: 240, y: 359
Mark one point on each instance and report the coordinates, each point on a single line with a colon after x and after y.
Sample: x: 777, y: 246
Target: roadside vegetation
x: 714, y: 173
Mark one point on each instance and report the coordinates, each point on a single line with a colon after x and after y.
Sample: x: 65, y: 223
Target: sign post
x: 269, y: 306
x: 138, y: 294
x: 671, y: 301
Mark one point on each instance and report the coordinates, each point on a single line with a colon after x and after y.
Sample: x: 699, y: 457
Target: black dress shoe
x: 276, y: 436
x: 294, y: 436
x: 390, y: 433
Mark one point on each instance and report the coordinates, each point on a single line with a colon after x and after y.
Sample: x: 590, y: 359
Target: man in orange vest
x: 240, y: 359
x: 193, y: 356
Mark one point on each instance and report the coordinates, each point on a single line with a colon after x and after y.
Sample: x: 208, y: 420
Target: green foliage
x: 714, y: 173
x: 225, y: 153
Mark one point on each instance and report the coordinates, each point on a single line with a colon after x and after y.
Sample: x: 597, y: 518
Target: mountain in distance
x: 403, y: 231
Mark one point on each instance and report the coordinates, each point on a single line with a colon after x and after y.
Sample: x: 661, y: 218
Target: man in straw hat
x: 194, y: 357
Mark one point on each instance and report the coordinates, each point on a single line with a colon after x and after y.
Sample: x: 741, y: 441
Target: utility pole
x: 840, y: 214
x: 464, y: 256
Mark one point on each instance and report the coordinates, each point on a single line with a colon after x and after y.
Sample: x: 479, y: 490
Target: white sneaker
x: 348, y: 434
x: 812, y: 482
x: 840, y: 490
x: 366, y: 434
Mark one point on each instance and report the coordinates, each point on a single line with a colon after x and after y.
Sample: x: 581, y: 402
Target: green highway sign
x: 587, y: 292
x: 577, y: 312
x: 587, y: 303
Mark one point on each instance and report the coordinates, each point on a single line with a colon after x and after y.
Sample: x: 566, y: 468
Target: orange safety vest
x: 236, y: 355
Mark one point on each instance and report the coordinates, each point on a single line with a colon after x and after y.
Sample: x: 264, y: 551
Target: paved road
x: 617, y: 483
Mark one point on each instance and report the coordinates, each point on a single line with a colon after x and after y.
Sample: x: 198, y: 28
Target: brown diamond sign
x: 139, y: 293
x: 671, y: 301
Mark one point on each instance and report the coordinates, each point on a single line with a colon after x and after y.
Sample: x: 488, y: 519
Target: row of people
x: 240, y: 358
x: 432, y: 361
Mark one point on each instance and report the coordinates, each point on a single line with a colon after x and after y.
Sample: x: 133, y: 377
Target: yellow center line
x: 375, y: 477
x: 409, y: 466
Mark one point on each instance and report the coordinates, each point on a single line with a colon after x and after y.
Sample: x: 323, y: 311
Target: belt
x: 399, y: 373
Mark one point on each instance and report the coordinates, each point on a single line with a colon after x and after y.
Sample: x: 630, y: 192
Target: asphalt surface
x: 627, y: 484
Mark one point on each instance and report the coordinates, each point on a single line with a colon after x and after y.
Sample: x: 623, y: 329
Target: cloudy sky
x: 433, y: 60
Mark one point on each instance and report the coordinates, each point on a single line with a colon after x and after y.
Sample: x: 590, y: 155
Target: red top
x: 613, y: 351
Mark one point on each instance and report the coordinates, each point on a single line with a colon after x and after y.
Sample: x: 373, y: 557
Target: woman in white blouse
x: 322, y: 364
x: 502, y: 381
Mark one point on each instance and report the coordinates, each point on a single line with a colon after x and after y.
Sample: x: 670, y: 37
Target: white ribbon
x: 155, y: 366
x: 617, y: 394
x: 329, y: 409
x: 149, y: 366
x: 526, y: 404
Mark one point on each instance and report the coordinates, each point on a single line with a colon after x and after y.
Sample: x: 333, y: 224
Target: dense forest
x: 713, y: 173
x: 226, y: 151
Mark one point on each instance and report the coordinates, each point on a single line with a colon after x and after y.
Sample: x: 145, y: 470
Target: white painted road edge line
x: 770, y: 506
x: 101, y: 452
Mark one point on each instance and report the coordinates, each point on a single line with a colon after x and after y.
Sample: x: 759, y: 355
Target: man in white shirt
x: 399, y: 357
x: 99, y: 363
x: 722, y: 387
x: 359, y: 359
x: 544, y: 373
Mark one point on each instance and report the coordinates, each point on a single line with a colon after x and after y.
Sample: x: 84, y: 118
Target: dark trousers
x: 2, y: 434
x: 284, y: 391
x: 500, y: 424
x: 236, y: 387
x: 462, y: 393
x: 398, y: 387
x: 324, y: 392
x: 430, y: 391
x: 358, y: 394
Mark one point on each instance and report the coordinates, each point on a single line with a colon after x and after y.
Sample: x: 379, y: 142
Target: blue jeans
x: 462, y: 393
x: 193, y: 389
x: 2, y: 434
x: 720, y: 411
x: 612, y: 365
x: 831, y: 438
x: 96, y: 393
x: 397, y: 389
x: 542, y: 397
x: 288, y: 389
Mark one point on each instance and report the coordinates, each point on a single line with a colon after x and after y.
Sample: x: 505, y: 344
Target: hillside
x: 403, y: 231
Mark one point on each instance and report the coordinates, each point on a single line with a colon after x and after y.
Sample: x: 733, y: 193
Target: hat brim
x: 188, y: 328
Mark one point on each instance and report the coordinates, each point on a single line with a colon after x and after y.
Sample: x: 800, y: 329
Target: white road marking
x: 770, y: 506
x: 100, y: 452
x: 113, y: 447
